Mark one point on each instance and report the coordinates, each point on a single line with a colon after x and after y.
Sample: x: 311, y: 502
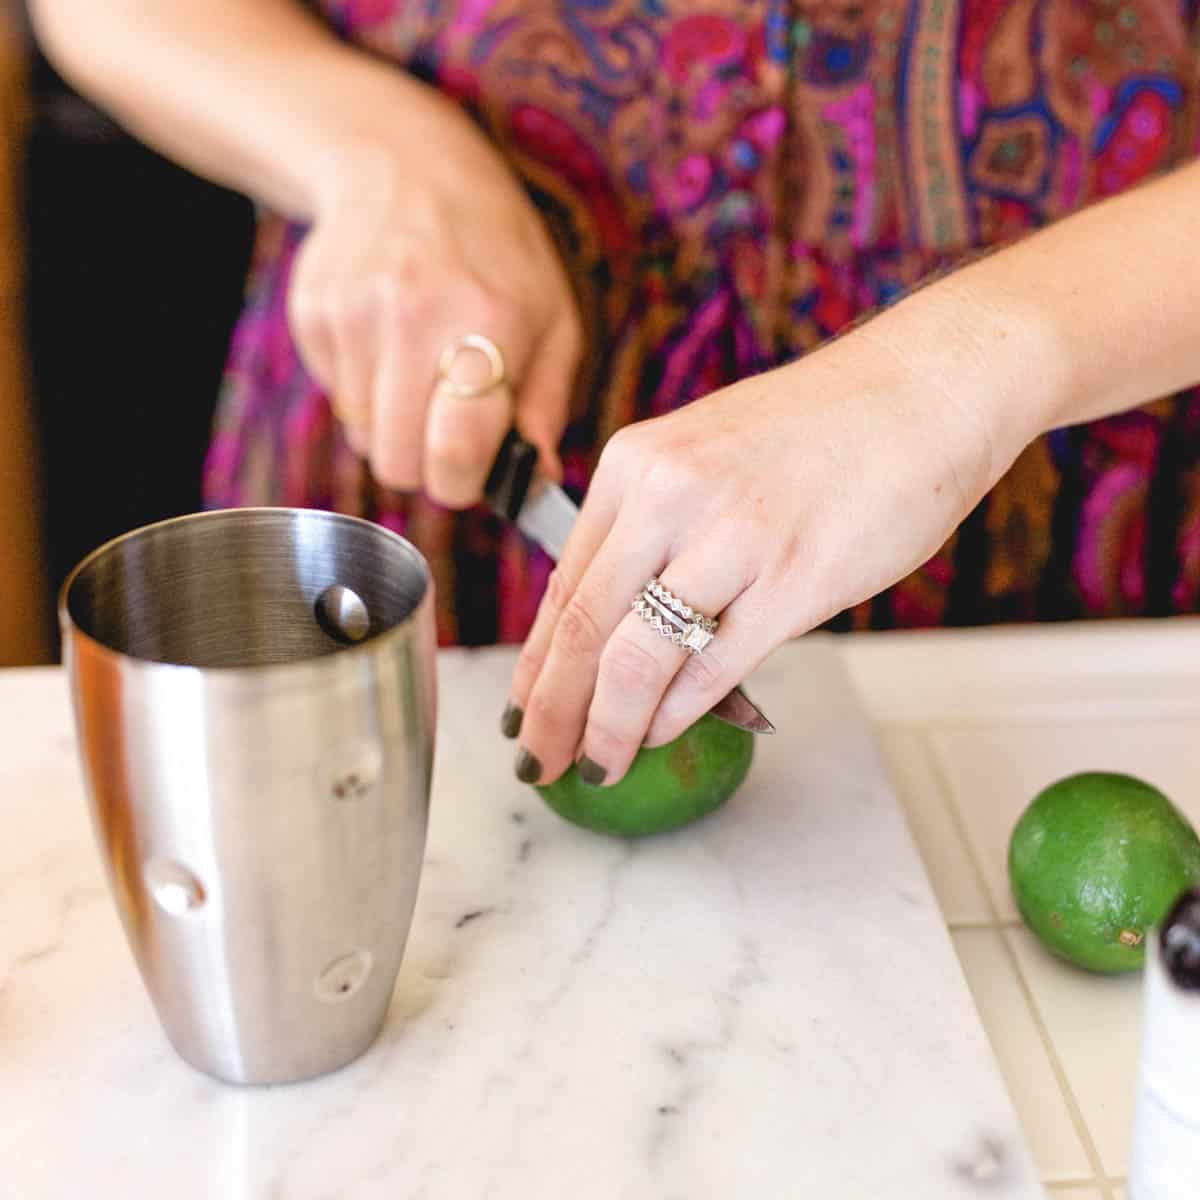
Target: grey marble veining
x: 766, y: 1004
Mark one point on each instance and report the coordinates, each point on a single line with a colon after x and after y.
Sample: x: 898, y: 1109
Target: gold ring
x: 489, y: 349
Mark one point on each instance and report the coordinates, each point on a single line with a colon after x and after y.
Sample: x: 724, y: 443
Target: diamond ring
x: 669, y: 616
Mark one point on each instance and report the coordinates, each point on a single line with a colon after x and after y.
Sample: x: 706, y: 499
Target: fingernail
x: 510, y: 720
x: 590, y: 771
x: 528, y: 769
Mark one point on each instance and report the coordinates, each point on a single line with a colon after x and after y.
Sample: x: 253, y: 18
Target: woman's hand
x: 420, y: 233
x: 772, y: 505
x: 409, y: 253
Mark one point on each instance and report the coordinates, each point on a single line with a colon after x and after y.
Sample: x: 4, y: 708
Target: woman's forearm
x: 254, y: 94
x: 1104, y: 305
x: 1091, y: 316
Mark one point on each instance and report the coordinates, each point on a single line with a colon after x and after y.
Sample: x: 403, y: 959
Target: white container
x: 1165, y: 1162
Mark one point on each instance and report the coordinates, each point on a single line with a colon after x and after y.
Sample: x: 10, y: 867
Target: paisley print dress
x: 732, y: 182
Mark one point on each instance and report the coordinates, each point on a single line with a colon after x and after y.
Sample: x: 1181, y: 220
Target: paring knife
x: 545, y: 513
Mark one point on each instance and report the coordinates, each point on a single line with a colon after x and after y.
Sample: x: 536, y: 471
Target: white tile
x: 994, y: 772
x: 1094, y: 1026
x: 1108, y: 670
x: 1013, y: 1032
x: 927, y: 808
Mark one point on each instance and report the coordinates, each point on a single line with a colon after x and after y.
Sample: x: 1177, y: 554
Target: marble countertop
x: 768, y: 1004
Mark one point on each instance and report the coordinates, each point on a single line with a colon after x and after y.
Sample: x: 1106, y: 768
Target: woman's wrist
x: 369, y: 131
x: 985, y: 371
x: 996, y: 344
x: 387, y: 130
x: 1093, y: 315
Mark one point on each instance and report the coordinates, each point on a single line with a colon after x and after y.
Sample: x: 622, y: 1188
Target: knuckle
x: 670, y: 722
x: 790, y: 565
x: 457, y: 445
x: 578, y: 635
x: 405, y: 289
x: 629, y: 669
x: 427, y: 216
x: 507, y: 318
x: 670, y: 475
x: 622, y: 454
x: 338, y: 307
x: 794, y: 551
x: 558, y: 590
x: 488, y: 306
x: 606, y: 744
x: 391, y: 473
x: 392, y: 463
x: 755, y: 525
x: 544, y: 715
x: 456, y: 454
x: 529, y: 666
x: 701, y: 672
x: 620, y: 446
x: 304, y: 307
x: 389, y: 291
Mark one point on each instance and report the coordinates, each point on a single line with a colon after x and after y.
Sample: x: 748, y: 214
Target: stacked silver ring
x: 669, y: 616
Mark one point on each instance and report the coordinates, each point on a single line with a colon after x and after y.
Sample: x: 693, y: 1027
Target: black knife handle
x: 510, y: 476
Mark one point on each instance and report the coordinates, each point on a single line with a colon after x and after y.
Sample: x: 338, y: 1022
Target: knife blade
x: 543, y: 512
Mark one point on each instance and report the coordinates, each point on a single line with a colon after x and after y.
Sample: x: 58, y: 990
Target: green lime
x: 1095, y: 861
x: 665, y: 788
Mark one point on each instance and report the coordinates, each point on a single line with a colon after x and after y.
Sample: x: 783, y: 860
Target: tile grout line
x: 1003, y: 719
x: 946, y: 795
x: 997, y: 926
x: 1099, y: 1176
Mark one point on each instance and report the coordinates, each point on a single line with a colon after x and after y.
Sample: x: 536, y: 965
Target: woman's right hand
x: 420, y: 233
x: 408, y: 253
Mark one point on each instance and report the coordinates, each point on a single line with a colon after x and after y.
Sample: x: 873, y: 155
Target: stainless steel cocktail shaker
x: 254, y: 693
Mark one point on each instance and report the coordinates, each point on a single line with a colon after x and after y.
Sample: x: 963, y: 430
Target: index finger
x: 592, y: 527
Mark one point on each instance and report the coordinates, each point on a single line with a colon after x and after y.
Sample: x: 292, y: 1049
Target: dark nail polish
x: 590, y: 772
x: 510, y: 720
x: 527, y: 767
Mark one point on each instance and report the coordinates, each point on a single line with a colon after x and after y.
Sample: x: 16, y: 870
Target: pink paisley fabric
x: 730, y: 184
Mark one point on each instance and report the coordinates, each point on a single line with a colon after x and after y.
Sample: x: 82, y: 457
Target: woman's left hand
x: 773, y: 505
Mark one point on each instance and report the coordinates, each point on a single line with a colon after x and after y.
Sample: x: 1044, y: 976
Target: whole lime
x: 665, y: 788
x: 1095, y: 861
